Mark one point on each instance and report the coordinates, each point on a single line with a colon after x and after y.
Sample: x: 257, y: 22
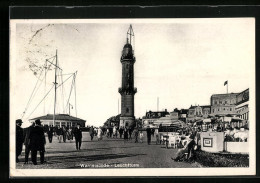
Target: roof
x: 205, y: 106
x: 184, y: 111
x: 223, y: 94
x: 59, y: 117
x: 193, y: 107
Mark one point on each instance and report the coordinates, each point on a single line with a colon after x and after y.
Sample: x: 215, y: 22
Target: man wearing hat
x: 78, y: 136
x: 19, y: 138
x: 27, y: 132
x: 37, y: 142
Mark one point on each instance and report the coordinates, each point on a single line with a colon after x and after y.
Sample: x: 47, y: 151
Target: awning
x: 236, y: 119
x: 207, y: 120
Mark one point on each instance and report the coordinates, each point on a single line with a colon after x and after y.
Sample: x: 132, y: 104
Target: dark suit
x: 91, y: 133
x: 78, y: 137
x: 149, y: 133
x: 37, y: 143
x: 27, y: 132
x: 19, y: 141
x: 50, y: 134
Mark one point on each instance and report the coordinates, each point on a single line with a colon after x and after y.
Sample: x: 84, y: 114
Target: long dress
x: 99, y: 134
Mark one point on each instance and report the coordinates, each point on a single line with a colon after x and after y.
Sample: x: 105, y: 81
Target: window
x: 220, y: 102
x: 127, y: 110
x: 213, y: 110
x: 216, y: 102
x: 218, y: 109
x: 230, y: 109
x: 224, y: 109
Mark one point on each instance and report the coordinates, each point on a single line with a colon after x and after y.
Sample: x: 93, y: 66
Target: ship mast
x: 55, y: 88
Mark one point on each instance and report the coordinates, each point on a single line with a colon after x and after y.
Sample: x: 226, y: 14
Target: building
x: 183, y: 114
x: 127, y: 90
x: 234, y: 104
x: 60, y: 120
x: 151, y: 117
x: 223, y: 104
x: 198, y: 112
x: 161, y: 118
x: 242, y: 105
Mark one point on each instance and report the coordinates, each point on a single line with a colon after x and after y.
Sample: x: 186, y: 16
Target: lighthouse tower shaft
x: 127, y: 90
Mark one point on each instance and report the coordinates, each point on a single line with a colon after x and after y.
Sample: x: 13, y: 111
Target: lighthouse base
x: 127, y: 122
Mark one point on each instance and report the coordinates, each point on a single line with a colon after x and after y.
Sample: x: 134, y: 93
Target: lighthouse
x: 127, y: 89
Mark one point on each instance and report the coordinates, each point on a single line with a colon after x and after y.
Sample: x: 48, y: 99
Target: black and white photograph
x: 132, y: 97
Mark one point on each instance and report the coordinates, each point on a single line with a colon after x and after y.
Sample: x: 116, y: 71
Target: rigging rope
x: 62, y: 94
x: 34, y: 91
x: 75, y: 94
x: 40, y: 102
x: 29, y: 101
x: 70, y: 91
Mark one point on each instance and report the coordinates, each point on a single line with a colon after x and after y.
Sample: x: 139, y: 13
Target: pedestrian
x: 152, y: 132
x: 37, y: 142
x: 91, y: 132
x: 130, y: 133
x: 110, y: 132
x: 107, y: 133
x: 78, y: 136
x: 141, y: 136
x: 136, y: 133
x: 99, y: 134
x: 70, y: 134
x: 121, y: 130
x: 59, y: 133
x: 114, y: 131
x: 19, y: 138
x: 95, y: 131
x: 156, y: 131
x: 125, y: 134
x: 50, y: 133
x: 148, y: 131
x: 27, y: 144
x: 64, y: 133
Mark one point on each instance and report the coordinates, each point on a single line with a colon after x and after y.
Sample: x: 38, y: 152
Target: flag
x: 226, y: 82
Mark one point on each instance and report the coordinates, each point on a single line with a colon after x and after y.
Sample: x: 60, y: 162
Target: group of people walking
x: 33, y: 138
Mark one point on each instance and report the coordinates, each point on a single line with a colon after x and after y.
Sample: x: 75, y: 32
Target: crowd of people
x: 33, y: 139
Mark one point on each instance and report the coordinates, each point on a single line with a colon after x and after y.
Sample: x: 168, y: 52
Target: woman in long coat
x: 99, y: 134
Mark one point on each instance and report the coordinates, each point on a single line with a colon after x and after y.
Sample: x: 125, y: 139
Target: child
x: 141, y: 136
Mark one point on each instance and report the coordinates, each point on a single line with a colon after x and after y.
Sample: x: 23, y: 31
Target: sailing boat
x: 55, y: 119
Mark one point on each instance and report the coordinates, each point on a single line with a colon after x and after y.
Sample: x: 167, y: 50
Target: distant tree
x: 113, y: 119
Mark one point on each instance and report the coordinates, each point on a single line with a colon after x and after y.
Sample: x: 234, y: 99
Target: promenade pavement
x: 107, y: 153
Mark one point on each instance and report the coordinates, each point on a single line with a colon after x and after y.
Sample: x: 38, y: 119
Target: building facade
x: 127, y: 90
x: 223, y: 104
x: 234, y: 104
x: 152, y: 116
x: 242, y: 106
x: 198, y: 112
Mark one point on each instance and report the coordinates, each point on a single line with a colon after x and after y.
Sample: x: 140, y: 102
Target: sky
x: 180, y: 61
